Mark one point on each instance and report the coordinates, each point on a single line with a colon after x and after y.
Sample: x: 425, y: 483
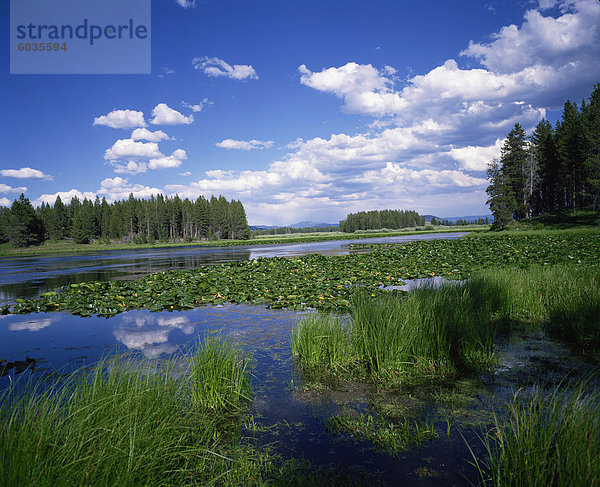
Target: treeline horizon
x: 552, y: 170
x: 288, y: 230
x: 158, y: 218
x: 459, y: 222
x: 378, y: 219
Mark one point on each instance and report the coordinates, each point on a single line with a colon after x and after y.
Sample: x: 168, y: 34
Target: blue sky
x: 303, y: 110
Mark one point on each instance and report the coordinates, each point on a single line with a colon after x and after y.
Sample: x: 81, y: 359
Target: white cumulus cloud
x: 118, y: 188
x: 473, y: 158
x: 245, y: 145
x: 166, y: 162
x: 215, y: 67
x: 6, y: 189
x: 24, y: 173
x: 121, y: 119
x: 130, y: 149
x: 132, y: 167
x: 65, y: 196
x: 165, y: 115
x: 145, y: 134
x: 196, y: 107
x: 186, y: 3
x: 543, y: 40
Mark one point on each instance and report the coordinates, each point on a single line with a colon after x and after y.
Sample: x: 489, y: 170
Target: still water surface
x: 27, y: 277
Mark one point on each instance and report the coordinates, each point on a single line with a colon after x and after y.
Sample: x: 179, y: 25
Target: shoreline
x: 65, y: 247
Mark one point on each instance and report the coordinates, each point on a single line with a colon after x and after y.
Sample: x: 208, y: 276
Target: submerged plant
x: 392, y: 437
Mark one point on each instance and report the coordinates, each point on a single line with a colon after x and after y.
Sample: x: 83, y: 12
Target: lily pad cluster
x: 314, y: 281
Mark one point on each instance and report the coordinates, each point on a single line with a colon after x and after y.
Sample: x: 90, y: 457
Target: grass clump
x: 427, y: 329
x: 320, y: 341
x: 129, y: 424
x: 393, y: 336
x: 549, y: 440
x: 219, y: 376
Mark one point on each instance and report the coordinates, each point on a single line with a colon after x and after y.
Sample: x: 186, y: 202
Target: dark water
x: 60, y: 342
x: 27, y: 277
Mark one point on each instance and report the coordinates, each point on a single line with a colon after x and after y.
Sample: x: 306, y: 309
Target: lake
x: 293, y: 420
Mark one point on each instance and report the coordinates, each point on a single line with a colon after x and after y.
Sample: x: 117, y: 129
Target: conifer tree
x: 25, y: 228
x: 514, y: 169
x: 591, y: 136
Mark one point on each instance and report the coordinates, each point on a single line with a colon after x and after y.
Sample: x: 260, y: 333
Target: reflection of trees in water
x: 38, y: 284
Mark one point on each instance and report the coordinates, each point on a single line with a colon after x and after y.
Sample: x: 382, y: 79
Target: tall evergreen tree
x: 501, y: 199
x: 514, y: 166
x: 25, y: 228
x: 543, y: 142
x: 591, y: 137
x: 4, y: 223
x: 569, y: 135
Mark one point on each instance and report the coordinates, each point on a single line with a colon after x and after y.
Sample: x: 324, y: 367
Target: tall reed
x: 219, y: 376
x: 447, y: 327
x: 564, y: 298
x: 429, y: 328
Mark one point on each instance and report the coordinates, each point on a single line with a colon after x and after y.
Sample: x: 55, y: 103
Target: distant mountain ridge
x: 302, y: 224
x: 308, y: 223
x: 453, y: 219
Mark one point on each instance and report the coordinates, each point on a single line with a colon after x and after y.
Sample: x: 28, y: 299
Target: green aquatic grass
x: 391, y: 336
x: 550, y: 439
x: 564, y: 299
x: 219, y: 376
x: 129, y: 424
x: 428, y: 328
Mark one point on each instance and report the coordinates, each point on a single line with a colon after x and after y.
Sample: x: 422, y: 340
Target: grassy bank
x: 317, y: 281
x: 67, y: 247
x: 133, y: 424
x: 559, y: 221
x: 452, y: 329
